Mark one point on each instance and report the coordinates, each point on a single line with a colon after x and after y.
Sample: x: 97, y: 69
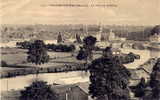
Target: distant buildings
x: 104, y: 36
x: 111, y: 36
x: 108, y: 36
x: 116, y: 51
x: 154, y: 50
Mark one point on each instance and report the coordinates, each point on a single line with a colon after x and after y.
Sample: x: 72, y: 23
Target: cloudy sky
x: 135, y: 12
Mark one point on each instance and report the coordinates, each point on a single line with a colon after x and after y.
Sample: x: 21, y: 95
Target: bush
x: 3, y: 64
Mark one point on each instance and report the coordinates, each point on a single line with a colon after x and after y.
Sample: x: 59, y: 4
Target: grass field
x: 18, y: 57
x: 16, y: 60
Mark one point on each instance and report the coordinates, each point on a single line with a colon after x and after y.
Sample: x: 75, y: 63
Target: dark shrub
x: 135, y: 56
x: 24, y: 45
x: 38, y: 90
x: 61, y: 47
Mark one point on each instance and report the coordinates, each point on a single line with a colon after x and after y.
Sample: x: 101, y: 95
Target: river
x: 20, y: 82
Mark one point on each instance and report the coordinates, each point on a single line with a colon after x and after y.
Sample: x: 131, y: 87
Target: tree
x: 155, y: 75
x: 155, y: 81
x: 89, y: 42
x: 85, y: 52
x: 155, y: 30
x: 82, y: 54
x: 38, y: 90
x: 109, y: 78
x: 37, y: 53
x: 89, y: 45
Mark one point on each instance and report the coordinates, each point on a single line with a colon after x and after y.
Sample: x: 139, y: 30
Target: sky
x: 134, y: 12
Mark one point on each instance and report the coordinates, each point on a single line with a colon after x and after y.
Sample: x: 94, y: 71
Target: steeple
x: 59, y: 38
x: 111, y: 35
x: 102, y: 36
x: 86, y: 30
x: 100, y: 28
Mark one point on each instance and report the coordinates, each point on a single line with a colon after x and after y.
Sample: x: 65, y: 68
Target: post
x: 7, y: 85
x: 66, y: 96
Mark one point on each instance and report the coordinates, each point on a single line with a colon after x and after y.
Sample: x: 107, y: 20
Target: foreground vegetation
x: 38, y: 90
x: 109, y: 78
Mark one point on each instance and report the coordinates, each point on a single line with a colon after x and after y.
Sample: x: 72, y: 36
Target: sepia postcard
x: 80, y: 49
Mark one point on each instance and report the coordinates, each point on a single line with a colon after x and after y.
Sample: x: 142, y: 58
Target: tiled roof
x: 84, y: 86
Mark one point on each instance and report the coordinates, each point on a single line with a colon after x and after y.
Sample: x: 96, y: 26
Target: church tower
x: 111, y: 36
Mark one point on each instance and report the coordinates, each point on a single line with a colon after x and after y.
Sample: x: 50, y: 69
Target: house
x: 116, y: 51
x: 155, y: 38
x: 146, y: 69
x: 154, y: 46
x: 70, y: 92
x: 84, y: 86
x: 142, y: 71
